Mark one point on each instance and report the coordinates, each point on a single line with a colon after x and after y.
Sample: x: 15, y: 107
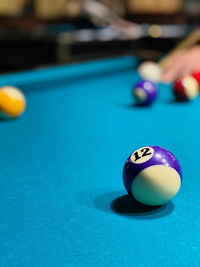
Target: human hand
x: 181, y: 64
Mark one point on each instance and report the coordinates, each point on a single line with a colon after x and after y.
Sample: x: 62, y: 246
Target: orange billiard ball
x: 12, y: 102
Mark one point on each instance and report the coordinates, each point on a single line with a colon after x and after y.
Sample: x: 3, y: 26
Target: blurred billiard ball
x: 196, y: 75
x: 12, y: 102
x: 186, y: 88
x: 150, y: 71
x: 144, y: 92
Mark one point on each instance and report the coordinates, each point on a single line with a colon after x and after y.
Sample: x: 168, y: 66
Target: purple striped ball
x: 152, y: 175
x: 145, y: 92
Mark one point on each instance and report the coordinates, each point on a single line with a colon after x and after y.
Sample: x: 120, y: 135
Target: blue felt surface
x: 62, y: 198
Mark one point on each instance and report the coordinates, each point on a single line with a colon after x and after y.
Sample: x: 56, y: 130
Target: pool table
x: 63, y: 202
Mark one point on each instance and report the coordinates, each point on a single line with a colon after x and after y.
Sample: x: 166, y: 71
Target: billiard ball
x: 12, y: 102
x: 186, y: 88
x: 145, y: 92
x: 196, y: 75
x: 152, y: 175
x: 150, y: 71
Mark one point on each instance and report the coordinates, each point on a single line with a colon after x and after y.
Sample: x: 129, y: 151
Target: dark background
x: 40, y: 33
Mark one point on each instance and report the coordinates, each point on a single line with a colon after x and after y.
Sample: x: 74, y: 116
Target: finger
x: 173, y: 58
x: 191, y: 61
x: 173, y: 72
x: 186, y: 71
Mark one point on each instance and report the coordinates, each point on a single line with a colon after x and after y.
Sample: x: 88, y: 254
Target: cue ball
x: 186, y: 88
x: 12, y: 102
x: 150, y: 70
x: 152, y: 175
x: 145, y: 92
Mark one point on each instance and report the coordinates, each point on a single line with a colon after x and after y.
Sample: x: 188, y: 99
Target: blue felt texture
x: 62, y: 197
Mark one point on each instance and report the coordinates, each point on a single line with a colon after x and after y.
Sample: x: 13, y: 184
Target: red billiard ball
x: 186, y: 88
x: 196, y: 75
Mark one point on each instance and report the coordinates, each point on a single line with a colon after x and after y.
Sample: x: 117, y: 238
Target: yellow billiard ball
x: 12, y: 102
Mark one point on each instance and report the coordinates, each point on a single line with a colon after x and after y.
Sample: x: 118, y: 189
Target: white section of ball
x: 140, y: 95
x: 191, y: 87
x: 156, y: 185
